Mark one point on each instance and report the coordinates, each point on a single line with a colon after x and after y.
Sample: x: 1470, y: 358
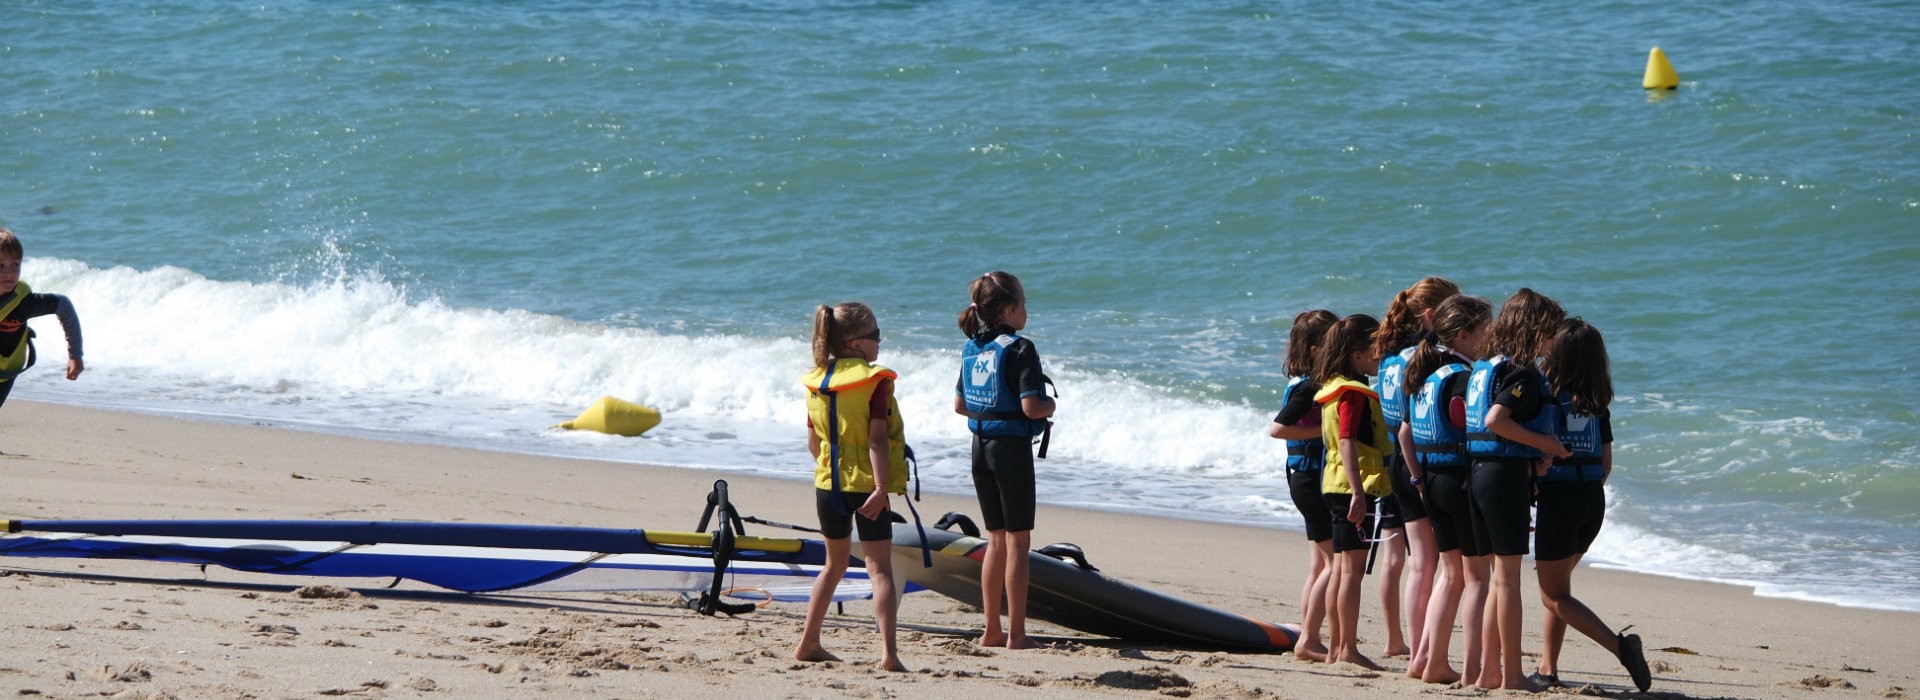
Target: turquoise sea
x: 460, y: 222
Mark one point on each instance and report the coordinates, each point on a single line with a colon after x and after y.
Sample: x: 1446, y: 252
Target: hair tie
x: 975, y: 307
x: 1429, y: 336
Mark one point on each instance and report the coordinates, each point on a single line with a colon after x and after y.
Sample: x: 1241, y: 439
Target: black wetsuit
x: 1303, y: 485
x: 14, y: 326
x: 1003, y: 476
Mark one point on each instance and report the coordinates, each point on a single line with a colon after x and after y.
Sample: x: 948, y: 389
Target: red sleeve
x: 1353, y: 412
x: 1457, y: 412
x: 879, y: 407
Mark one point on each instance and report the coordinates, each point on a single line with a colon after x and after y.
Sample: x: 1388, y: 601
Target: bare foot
x: 1523, y: 684
x: 991, y: 640
x: 1396, y: 653
x: 893, y: 665
x: 814, y: 654
x: 1317, y: 652
x: 1445, y: 676
x: 1358, y: 659
x: 1023, y: 642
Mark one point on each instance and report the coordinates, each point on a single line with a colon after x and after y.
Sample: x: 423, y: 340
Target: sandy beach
x: 80, y: 628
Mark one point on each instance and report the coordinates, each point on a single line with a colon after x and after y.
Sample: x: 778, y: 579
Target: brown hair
x: 1527, y: 321
x: 10, y: 244
x: 992, y: 295
x: 1402, y: 326
x: 1337, y: 347
x: 1303, y: 342
x: 835, y: 326
x: 1458, y: 314
x: 1577, y: 366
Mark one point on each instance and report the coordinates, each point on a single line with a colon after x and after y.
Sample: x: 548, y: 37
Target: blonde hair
x: 1402, y: 325
x: 835, y: 326
x: 993, y: 294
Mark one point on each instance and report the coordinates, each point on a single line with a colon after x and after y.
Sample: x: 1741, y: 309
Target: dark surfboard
x: 1067, y: 594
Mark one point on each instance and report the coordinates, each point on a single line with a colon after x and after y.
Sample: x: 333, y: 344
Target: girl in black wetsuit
x: 1572, y: 499
x: 1509, y: 437
x: 1433, y: 433
x: 1002, y: 392
x: 1299, y: 424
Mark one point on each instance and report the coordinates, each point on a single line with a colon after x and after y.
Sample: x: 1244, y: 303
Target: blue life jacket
x: 1438, y: 442
x: 1392, y: 387
x: 1480, y: 387
x: 1580, y: 432
x: 1303, y: 455
x: 993, y: 403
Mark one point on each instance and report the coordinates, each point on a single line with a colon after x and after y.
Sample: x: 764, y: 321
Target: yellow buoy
x: 615, y: 417
x: 1660, y: 75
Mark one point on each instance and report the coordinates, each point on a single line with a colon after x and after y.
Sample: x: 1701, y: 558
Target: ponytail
x: 1402, y: 325
x: 1337, y: 347
x: 1458, y: 314
x: 834, y: 326
x: 992, y: 295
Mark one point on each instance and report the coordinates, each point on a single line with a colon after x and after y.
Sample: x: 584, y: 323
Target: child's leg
x: 1473, y: 607
x: 1393, y: 557
x: 1506, y: 606
x: 1563, y: 610
x: 1313, y: 601
x: 1438, y: 631
x: 1017, y: 573
x: 992, y: 583
x: 886, y: 605
x: 1352, y: 565
x: 822, y: 596
x: 1422, y: 559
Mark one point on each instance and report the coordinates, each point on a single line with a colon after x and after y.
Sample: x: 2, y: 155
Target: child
x: 1002, y: 392
x: 851, y: 409
x: 1509, y: 433
x: 18, y: 302
x: 1573, y: 501
x: 1299, y: 424
x: 1435, y: 433
x: 1356, y: 437
x: 1409, y: 317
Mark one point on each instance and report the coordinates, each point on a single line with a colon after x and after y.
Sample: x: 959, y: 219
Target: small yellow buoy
x: 615, y: 417
x: 1660, y: 75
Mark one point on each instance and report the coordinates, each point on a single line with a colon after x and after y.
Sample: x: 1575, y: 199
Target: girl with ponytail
x: 1002, y: 392
x: 858, y: 444
x: 1433, y: 441
x: 1409, y: 318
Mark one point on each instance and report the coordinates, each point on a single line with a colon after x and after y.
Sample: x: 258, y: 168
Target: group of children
x: 854, y: 433
x: 1473, y: 421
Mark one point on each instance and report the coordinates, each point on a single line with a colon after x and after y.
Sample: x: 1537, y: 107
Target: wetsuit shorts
x: 1501, y: 490
x: 1411, y: 506
x: 1347, y: 536
x: 1304, y: 486
x: 1003, y: 479
x: 1450, y: 511
x: 1570, y: 514
x: 837, y: 525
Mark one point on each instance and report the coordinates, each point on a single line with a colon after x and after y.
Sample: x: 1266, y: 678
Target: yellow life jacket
x: 844, y: 400
x: 17, y: 356
x: 1371, y: 451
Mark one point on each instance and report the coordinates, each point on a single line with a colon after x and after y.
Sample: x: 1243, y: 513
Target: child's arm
x: 1411, y: 455
x: 1500, y: 421
x: 1350, y: 465
x: 877, y: 454
x: 1292, y: 432
x: 70, y: 324
x: 1037, y: 406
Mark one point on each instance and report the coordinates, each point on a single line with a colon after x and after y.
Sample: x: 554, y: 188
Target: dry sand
x: 78, y: 628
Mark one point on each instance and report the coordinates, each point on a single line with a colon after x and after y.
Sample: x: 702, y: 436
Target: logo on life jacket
x: 11, y: 325
x: 983, y: 369
x: 1577, y: 422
